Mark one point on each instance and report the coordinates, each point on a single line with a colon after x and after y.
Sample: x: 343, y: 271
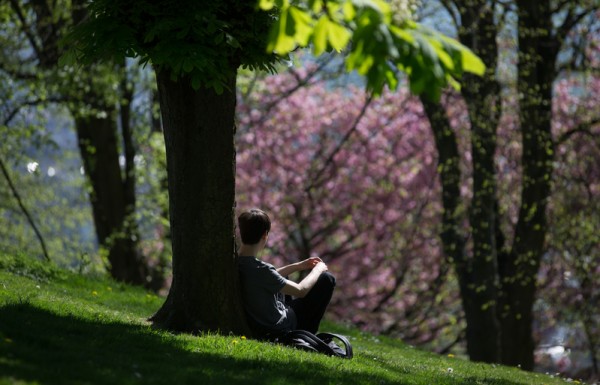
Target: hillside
x: 59, y: 327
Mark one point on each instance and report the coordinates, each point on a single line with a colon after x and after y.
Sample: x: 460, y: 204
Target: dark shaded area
x: 64, y: 349
x: 54, y: 349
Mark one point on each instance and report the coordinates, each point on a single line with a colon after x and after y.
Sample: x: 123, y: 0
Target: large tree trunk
x: 199, y: 138
x: 110, y: 201
x: 536, y: 73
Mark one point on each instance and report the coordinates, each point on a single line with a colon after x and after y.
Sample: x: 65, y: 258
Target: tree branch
x: 17, y: 74
x: 301, y: 82
x: 571, y: 20
x: 447, y: 4
x: 35, y: 102
x: 15, y: 5
x: 583, y: 128
x: 23, y: 209
x: 560, y: 5
x: 329, y: 159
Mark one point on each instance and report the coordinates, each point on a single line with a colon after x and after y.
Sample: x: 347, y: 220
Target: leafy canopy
x: 378, y: 45
x: 203, y: 40
x: 208, y: 41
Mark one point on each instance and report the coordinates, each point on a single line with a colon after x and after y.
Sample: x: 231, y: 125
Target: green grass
x: 58, y: 327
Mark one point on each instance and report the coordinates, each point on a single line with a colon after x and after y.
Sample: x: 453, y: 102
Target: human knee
x: 327, y: 278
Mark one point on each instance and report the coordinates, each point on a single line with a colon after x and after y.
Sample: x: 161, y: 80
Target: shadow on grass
x: 37, y: 345
x: 53, y: 349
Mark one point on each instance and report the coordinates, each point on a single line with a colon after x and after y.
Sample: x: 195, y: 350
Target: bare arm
x: 299, y: 266
x: 301, y: 289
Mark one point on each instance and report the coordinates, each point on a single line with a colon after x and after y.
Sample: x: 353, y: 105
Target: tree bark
x: 453, y: 217
x: 477, y: 275
x: 538, y: 50
x: 482, y: 96
x: 199, y: 137
x: 98, y: 146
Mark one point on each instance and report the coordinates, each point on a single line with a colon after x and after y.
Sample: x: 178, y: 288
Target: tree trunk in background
x: 499, y: 282
x: 478, y: 274
x: 538, y: 49
x: 111, y: 204
x: 199, y: 137
x: 453, y: 217
x: 482, y: 95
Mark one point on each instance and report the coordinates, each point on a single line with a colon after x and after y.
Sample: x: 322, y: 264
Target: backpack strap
x: 305, y: 340
x: 321, y: 343
x: 328, y: 339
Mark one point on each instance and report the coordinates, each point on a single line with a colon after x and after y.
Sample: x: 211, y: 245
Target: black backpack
x: 321, y: 343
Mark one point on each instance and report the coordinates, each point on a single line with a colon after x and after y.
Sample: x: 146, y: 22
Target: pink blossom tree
x: 353, y: 180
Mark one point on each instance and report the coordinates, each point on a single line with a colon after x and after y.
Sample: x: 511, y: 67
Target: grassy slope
x: 57, y: 327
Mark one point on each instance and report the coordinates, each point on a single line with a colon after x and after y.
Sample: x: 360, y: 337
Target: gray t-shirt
x: 264, y: 304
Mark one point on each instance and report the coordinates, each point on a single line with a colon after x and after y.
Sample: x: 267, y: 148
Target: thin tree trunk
x: 453, y: 217
x: 24, y: 210
x: 536, y: 74
x: 98, y: 147
x: 199, y: 137
x: 478, y: 275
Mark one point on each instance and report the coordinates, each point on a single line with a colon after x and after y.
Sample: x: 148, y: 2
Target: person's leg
x: 310, y: 309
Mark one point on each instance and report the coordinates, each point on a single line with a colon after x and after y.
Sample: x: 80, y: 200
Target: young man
x: 264, y: 287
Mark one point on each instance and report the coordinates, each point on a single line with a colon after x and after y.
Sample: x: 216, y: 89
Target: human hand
x: 321, y: 266
x: 310, y: 263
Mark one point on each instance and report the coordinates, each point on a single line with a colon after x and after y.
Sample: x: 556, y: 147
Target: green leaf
x: 338, y: 36
x: 68, y: 58
x: 188, y: 66
x: 441, y: 53
x: 391, y: 78
x: 468, y: 60
x: 349, y: 11
x: 320, y: 35
x: 196, y: 82
x: 290, y: 22
x: 266, y: 5
x: 471, y: 62
x: 302, y: 25
x: 232, y: 41
x: 279, y: 41
x: 453, y: 83
x: 402, y: 34
x: 183, y: 33
x: 315, y: 5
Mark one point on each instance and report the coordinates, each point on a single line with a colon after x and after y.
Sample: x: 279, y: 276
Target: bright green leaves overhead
x: 376, y: 47
x: 328, y: 34
x: 207, y: 41
x: 201, y: 42
x: 293, y: 27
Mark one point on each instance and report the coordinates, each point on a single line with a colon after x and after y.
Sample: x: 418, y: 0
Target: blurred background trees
x: 98, y: 104
x: 416, y: 206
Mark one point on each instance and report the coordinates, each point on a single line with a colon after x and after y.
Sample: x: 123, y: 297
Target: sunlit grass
x: 58, y: 327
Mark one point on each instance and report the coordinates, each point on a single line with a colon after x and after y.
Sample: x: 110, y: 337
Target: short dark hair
x: 253, y: 224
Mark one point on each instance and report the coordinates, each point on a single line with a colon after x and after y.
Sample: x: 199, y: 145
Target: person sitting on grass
x: 265, y: 288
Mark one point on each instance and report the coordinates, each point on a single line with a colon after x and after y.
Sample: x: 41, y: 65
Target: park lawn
x: 60, y: 327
